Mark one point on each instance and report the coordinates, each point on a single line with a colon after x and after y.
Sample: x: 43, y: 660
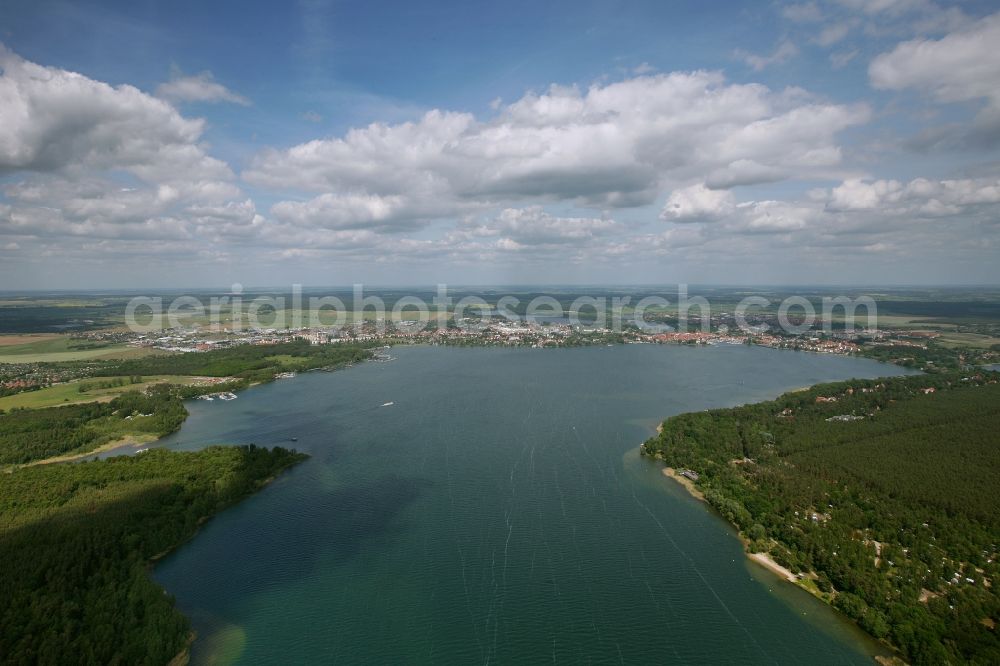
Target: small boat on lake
x: 388, y: 404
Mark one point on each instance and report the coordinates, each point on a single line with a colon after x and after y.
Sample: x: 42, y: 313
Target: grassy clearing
x: 38, y: 345
x: 51, y: 348
x: 976, y: 340
x: 69, y: 393
x: 119, y: 352
x: 892, y: 321
x: 58, y: 356
x: 901, y: 321
x: 286, y: 360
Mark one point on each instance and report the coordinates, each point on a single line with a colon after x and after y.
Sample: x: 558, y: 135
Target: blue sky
x: 333, y: 142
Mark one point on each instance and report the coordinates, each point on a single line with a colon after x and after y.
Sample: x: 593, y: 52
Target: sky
x: 192, y: 144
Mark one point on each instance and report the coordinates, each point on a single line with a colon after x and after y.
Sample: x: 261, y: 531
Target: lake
x: 497, y: 512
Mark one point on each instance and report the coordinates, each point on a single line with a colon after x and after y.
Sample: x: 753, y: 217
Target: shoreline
x: 183, y: 658
x: 762, y: 559
x: 688, y: 484
x: 129, y: 440
x: 887, y: 655
x: 135, y: 440
x: 766, y: 561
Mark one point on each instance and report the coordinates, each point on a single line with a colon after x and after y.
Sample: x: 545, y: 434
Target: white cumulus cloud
x: 697, y: 203
x: 84, y: 158
x: 198, y: 88
x: 52, y: 119
x: 611, y: 146
x: 783, y: 52
x: 959, y: 67
x: 920, y: 196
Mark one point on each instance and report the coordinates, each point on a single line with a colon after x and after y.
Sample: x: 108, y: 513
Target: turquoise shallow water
x: 497, y: 512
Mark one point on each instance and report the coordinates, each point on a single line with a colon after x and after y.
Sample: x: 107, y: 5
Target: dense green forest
x: 76, y: 541
x: 882, y: 494
x: 35, y: 434
x: 934, y: 358
x: 254, y: 363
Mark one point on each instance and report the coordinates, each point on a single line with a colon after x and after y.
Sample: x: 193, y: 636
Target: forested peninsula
x: 880, y: 495
x: 77, y: 540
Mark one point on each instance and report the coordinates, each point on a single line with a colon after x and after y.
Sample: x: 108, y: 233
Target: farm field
x: 7, y: 341
x: 52, y: 348
x: 70, y: 393
x: 956, y: 339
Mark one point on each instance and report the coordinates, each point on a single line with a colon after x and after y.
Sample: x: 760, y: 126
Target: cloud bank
x: 691, y: 167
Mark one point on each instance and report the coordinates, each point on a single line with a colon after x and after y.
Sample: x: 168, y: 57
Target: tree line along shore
x: 32, y: 435
x: 878, y: 496
x: 77, y: 540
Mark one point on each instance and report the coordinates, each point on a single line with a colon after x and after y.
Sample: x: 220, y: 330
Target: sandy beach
x: 768, y: 562
x: 763, y: 559
x: 131, y: 440
x: 684, y: 481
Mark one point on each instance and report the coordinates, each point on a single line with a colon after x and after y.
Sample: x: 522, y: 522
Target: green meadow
x: 52, y: 349
x: 86, y: 390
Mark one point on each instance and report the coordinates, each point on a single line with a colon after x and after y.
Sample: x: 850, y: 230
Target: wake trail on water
x: 701, y: 576
x: 461, y: 553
